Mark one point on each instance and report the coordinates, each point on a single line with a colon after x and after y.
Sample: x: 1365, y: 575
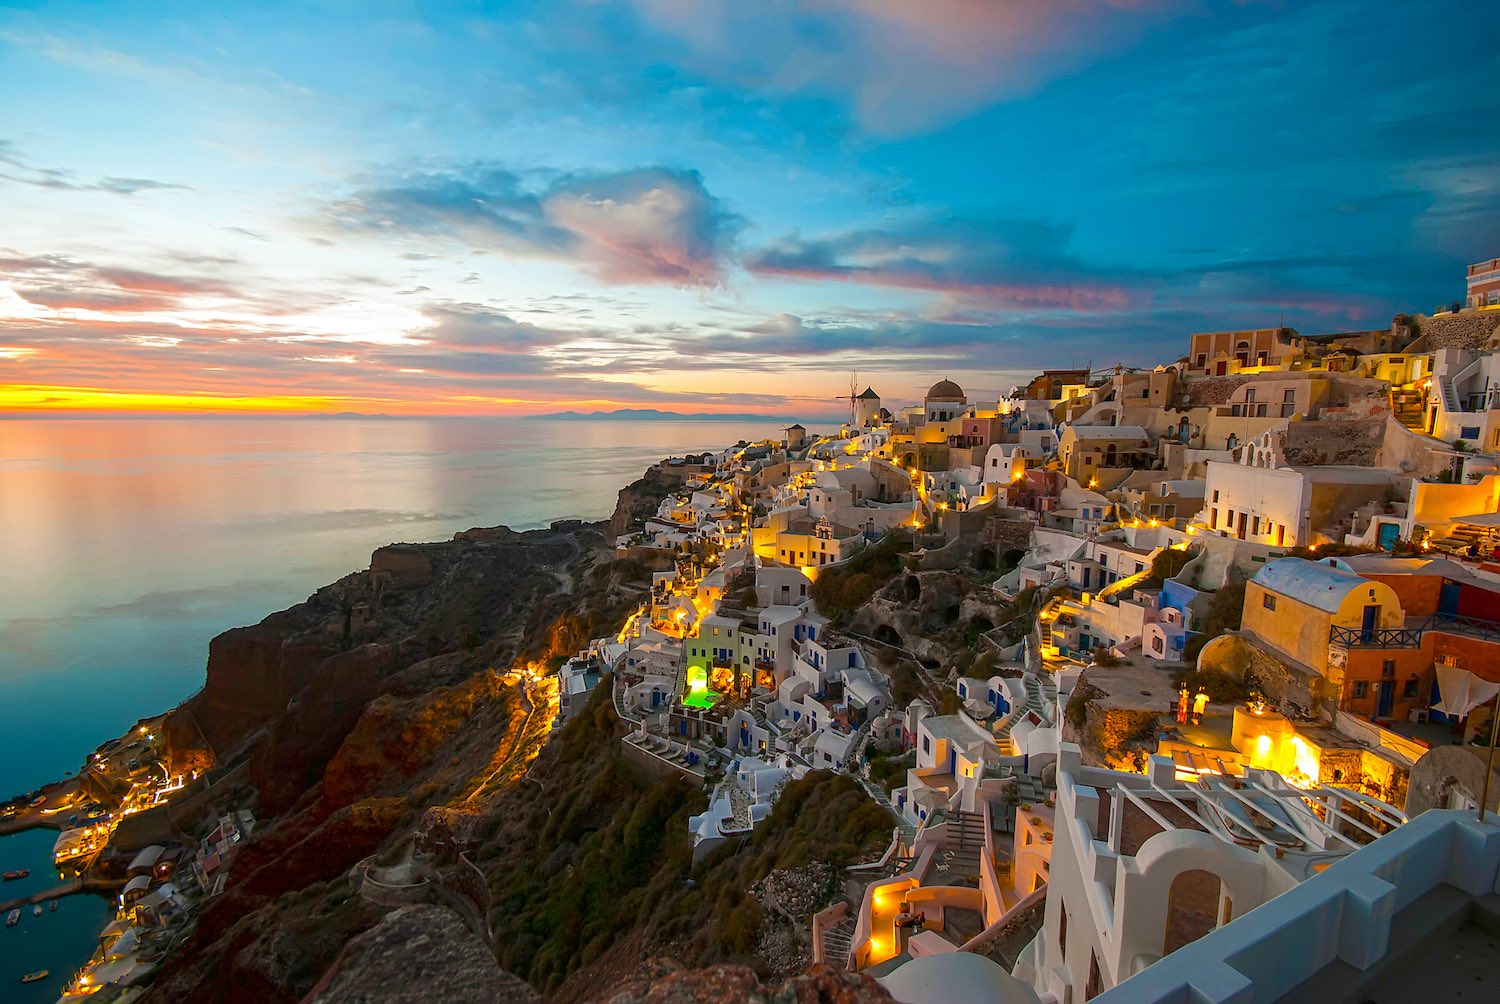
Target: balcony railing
x: 1471, y: 626
x: 1350, y: 637
x: 1411, y: 637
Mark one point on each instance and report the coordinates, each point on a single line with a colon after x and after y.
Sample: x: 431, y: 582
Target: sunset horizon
x: 638, y: 205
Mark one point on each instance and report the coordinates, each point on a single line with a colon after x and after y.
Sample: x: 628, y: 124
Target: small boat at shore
x: 40, y: 974
x: 52, y: 906
x: 13, y: 918
x: 19, y: 873
x: 36, y: 911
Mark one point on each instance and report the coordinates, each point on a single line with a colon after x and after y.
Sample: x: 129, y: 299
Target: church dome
x: 945, y: 390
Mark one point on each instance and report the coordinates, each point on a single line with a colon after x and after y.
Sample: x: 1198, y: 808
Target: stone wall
x: 1008, y: 533
x: 1314, y: 444
x: 1470, y: 330
x: 1294, y: 691
x: 1213, y: 390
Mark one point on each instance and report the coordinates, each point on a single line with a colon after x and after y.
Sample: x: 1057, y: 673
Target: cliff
x: 346, y: 719
x: 381, y: 733
x: 638, y: 500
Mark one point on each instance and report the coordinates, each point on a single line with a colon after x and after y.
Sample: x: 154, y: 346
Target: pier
x: 68, y: 888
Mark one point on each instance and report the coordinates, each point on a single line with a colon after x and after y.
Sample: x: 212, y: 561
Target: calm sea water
x: 127, y: 544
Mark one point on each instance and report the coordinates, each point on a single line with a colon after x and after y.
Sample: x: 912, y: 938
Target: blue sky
x: 449, y: 208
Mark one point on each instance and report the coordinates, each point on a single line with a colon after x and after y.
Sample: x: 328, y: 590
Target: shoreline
x: 66, y: 792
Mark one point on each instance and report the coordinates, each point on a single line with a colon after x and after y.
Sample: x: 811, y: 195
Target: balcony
x: 1411, y: 635
x: 1351, y: 637
x: 1473, y: 627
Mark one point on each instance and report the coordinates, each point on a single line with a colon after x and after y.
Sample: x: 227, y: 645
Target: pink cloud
x: 905, y: 65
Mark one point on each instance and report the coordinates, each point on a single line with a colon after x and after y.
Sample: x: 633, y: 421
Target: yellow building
x: 1297, y: 608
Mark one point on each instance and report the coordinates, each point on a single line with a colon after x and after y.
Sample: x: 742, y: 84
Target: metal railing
x: 1375, y: 637
x: 1411, y: 637
x: 1474, y: 627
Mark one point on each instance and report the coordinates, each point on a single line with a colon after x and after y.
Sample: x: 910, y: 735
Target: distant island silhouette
x: 653, y: 415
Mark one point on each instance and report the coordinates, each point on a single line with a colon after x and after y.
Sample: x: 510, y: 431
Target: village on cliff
x: 1175, y: 684
x: 1210, y: 716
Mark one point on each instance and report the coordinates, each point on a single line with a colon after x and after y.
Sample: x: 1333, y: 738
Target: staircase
x: 739, y: 806
x: 1408, y: 408
x: 965, y: 842
x: 1450, y: 396
x: 837, y: 941
x: 1464, y: 536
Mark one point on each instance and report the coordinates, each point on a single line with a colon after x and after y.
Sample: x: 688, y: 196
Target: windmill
x: 853, y: 394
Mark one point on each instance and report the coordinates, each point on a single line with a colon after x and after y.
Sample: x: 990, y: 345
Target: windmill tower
x: 852, y: 397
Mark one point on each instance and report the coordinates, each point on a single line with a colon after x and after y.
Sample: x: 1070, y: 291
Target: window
x: 1468, y: 432
x: 1361, y: 689
x: 1216, y: 494
x: 1388, y: 668
x: 1410, y: 690
x: 1268, y: 601
x: 1249, y: 395
x: 926, y: 744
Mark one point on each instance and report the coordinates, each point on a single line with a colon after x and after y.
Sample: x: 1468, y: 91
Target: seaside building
x: 1483, y: 284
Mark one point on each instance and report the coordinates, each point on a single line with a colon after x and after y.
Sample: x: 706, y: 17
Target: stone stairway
x: 739, y: 805
x: 965, y: 842
x: 1407, y: 408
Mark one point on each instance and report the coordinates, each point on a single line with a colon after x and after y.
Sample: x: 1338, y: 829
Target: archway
x: 912, y: 587
x: 1192, y: 908
x: 887, y: 635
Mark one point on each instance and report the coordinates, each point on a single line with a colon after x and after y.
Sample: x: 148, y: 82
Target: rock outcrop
x: 822, y: 984
x: 419, y: 954
x: 638, y: 500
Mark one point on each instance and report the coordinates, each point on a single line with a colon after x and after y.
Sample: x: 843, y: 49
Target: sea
x: 126, y: 544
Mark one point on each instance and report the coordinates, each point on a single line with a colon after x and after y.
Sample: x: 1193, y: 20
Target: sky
x: 712, y: 205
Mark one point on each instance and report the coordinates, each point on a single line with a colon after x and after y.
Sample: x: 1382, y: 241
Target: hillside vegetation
x: 593, y: 854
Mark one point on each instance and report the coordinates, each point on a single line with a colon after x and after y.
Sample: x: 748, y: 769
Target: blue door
x: 1448, y: 599
x: 1368, y: 625
x: 1433, y: 714
x: 1387, y: 698
x: 1390, y: 533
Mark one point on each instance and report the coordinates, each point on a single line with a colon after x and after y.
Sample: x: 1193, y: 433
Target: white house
x: 1142, y: 865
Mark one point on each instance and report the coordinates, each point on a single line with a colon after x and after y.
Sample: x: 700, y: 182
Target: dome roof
x: 945, y: 390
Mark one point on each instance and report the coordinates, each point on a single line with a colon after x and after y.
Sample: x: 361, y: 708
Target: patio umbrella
x: 1462, y: 691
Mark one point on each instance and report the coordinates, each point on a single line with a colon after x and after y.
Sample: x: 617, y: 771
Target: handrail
x: 1375, y: 637
x: 1411, y: 637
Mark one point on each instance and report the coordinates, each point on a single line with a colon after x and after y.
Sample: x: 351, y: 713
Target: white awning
x: 1462, y: 691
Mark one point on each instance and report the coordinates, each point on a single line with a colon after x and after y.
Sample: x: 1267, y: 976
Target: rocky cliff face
x: 638, y: 500
x: 376, y: 728
x: 353, y: 713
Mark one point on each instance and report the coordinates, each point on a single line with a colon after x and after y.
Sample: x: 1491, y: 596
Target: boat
x: 52, y: 905
x: 40, y: 974
x: 36, y: 911
x: 19, y: 873
x: 13, y: 918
